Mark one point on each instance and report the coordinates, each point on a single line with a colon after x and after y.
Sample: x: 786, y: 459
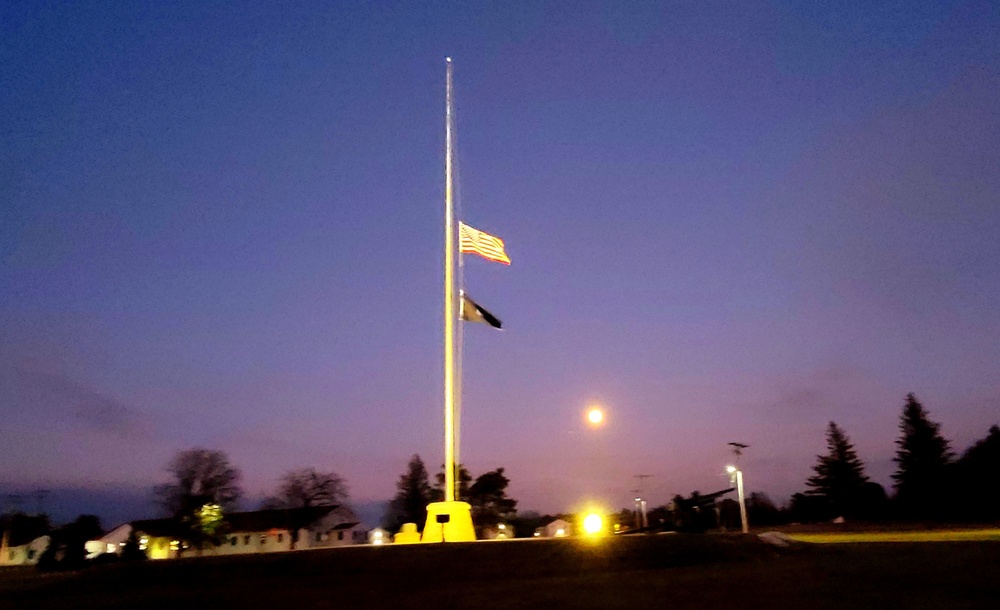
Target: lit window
x: 263, y: 538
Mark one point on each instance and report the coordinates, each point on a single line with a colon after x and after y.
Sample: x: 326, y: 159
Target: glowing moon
x: 595, y: 416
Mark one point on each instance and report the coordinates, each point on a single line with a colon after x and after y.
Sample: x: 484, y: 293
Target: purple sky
x: 221, y: 225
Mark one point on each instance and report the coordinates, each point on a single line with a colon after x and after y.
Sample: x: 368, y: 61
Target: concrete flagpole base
x: 449, y: 522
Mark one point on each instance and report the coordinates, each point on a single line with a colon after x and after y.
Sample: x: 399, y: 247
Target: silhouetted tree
x: 976, y: 475
x: 132, y: 550
x: 200, y: 477
x: 808, y: 509
x: 21, y: 528
x: 873, y: 503
x: 762, y: 511
x: 306, y: 488
x: 922, y: 459
x: 67, y: 545
x: 413, y: 494
x: 463, y: 478
x: 660, y: 518
x: 488, y: 497
x: 839, y: 476
x: 729, y: 514
x: 693, y: 514
x: 204, y: 485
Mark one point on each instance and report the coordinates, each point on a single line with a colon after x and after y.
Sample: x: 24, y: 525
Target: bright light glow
x: 560, y: 532
x: 592, y: 524
x: 595, y: 416
x: 502, y: 526
x: 730, y: 469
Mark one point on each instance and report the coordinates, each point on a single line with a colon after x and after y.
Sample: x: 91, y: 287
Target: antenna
x: 738, y: 449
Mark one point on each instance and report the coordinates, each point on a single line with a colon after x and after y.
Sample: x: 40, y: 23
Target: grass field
x: 672, y: 571
x: 899, y: 536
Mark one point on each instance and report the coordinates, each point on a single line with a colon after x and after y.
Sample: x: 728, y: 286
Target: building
x: 558, y: 529
x: 262, y: 531
x: 112, y: 542
x: 22, y: 552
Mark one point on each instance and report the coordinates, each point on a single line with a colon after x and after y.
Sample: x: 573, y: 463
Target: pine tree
x: 413, y: 494
x: 489, y: 500
x: 462, y: 478
x: 975, y: 473
x: 840, y: 475
x: 922, y: 460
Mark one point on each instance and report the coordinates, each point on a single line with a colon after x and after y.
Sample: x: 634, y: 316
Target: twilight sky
x: 221, y: 225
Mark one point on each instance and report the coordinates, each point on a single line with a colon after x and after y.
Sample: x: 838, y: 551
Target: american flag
x: 485, y: 245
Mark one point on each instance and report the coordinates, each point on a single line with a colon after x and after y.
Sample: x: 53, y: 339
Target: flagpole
x: 450, y: 310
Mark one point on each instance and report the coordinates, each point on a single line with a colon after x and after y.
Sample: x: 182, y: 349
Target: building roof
x: 159, y: 528
x: 278, y: 518
x: 251, y: 521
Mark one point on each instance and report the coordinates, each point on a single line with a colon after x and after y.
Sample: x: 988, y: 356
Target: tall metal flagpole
x: 450, y: 300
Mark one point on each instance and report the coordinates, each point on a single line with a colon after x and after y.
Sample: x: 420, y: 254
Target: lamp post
x: 737, y: 475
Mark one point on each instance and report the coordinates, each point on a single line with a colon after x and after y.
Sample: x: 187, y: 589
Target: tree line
x: 930, y: 482
x: 487, y: 495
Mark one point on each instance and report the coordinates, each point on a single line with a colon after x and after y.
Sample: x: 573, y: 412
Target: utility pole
x: 640, y: 502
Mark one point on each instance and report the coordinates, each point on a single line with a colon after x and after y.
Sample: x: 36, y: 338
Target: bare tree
x: 200, y: 477
x: 307, y: 487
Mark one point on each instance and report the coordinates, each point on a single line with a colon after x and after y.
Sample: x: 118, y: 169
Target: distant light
x: 593, y: 524
x: 560, y: 532
x: 538, y: 534
x: 730, y: 469
x: 595, y: 416
x: 502, y: 526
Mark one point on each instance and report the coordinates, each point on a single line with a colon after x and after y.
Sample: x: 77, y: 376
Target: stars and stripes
x: 474, y: 241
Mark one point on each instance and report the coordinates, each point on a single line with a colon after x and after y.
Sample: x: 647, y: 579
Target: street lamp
x: 736, y: 475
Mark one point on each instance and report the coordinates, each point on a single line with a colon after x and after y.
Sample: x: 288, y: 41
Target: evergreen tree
x: 976, y: 472
x: 413, y: 494
x: 488, y: 497
x: 462, y: 477
x: 922, y: 460
x: 840, y: 475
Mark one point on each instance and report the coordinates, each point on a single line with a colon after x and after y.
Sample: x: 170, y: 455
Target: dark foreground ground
x: 666, y: 571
